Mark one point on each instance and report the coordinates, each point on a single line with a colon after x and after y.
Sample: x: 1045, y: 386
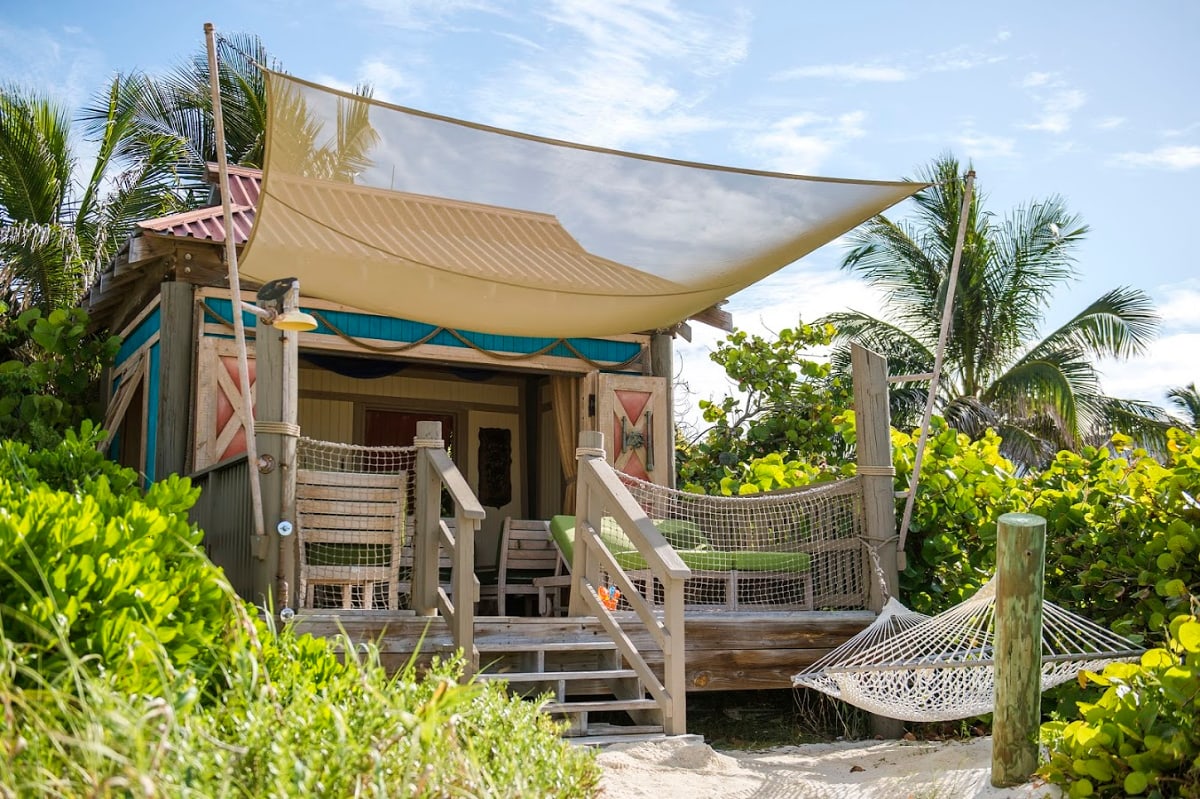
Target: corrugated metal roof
x: 209, y: 223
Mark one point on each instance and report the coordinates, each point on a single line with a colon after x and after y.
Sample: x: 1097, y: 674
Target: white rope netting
x: 909, y: 666
x: 797, y: 549
x: 351, y: 515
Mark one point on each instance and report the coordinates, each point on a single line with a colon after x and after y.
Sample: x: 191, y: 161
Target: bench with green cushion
x: 690, y: 544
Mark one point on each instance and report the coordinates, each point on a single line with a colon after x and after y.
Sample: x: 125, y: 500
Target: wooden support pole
x: 177, y: 338
x: 1020, y: 570
x: 289, y: 416
x: 268, y: 407
x: 426, y: 537
x: 591, y: 447
x: 877, y: 477
x: 662, y: 364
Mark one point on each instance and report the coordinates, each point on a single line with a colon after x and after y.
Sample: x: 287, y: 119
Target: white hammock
x: 910, y: 666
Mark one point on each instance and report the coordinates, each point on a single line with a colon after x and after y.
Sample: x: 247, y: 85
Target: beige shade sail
x: 423, y: 217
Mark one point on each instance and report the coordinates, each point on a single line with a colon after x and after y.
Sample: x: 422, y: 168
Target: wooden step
x: 598, y: 645
x: 600, y: 705
x: 555, y: 676
x: 608, y: 739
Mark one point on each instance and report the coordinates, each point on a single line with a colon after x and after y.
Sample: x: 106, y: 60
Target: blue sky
x: 1097, y: 102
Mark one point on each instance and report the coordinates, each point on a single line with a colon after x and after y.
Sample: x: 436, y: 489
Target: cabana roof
x: 418, y: 216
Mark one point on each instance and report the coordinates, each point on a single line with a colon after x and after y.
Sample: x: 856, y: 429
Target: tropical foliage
x: 1187, y: 399
x: 128, y: 667
x: 1040, y: 391
x: 49, y: 364
x: 54, y: 232
x: 1142, y: 737
x: 785, y: 405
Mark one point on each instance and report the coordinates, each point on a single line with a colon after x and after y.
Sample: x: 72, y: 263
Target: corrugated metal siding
x: 226, y: 516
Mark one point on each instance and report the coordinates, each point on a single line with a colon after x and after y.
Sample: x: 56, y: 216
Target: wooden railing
x: 436, y: 471
x: 600, y: 493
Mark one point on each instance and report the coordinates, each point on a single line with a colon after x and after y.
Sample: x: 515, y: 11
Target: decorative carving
x: 495, y: 466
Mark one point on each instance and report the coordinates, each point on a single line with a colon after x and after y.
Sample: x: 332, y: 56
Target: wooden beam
x: 176, y: 367
x: 715, y: 317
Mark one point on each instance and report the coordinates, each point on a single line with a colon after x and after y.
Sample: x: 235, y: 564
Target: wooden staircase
x: 584, y: 680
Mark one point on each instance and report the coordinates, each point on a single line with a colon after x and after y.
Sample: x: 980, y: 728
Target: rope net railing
x: 914, y: 667
x: 794, y: 550
x: 352, y: 525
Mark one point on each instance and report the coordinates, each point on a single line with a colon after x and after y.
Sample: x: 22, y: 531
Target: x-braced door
x: 220, y: 428
x: 631, y: 411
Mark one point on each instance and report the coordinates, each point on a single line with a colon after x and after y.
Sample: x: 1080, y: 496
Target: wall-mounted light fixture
x: 278, y: 304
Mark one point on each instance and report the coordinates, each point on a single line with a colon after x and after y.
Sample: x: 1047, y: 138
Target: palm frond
x: 1119, y: 324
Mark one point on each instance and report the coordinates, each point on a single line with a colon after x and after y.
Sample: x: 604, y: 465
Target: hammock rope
x: 910, y: 666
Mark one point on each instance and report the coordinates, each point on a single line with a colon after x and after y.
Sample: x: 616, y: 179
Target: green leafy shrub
x: 49, y: 368
x: 92, y: 568
x: 294, y: 720
x: 1142, y: 737
x: 786, y: 404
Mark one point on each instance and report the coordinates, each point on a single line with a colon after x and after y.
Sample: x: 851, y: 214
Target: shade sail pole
x: 235, y: 295
x: 938, y: 358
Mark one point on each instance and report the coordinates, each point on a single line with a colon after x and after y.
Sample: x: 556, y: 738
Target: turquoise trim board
x: 384, y: 328
x: 154, y: 388
x: 140, y: 335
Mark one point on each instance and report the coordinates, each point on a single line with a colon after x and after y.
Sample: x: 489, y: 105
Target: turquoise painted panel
x: 385, y: 328
x: 154, y: 388
x: 140, y: 335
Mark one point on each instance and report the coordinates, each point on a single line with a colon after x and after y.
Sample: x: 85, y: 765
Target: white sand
x: 874, y: 769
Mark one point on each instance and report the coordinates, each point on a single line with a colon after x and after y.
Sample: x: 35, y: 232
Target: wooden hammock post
x: 877, y: 476
x: 1020, y: 569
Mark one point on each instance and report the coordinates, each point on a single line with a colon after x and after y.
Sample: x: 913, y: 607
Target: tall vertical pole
x: 877, y: 477
x: 939, y: 355
x: 1020, y: 569
x: 260, y: 544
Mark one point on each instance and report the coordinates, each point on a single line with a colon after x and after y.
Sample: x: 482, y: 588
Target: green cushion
x: 772, y: 561
x: 682, y: 534
x: 701, y: 560
x: 562, y: 528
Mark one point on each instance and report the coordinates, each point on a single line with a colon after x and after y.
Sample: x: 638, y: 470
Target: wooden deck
x: 724, y: 651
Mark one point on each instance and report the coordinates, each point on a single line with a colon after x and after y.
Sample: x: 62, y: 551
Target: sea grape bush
x: 1142, y: 736
x: 92, y: 568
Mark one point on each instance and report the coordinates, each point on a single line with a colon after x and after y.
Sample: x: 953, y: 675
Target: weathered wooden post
x: 877, y: 476
x: 268, y: 411
x: 591, y: 447
x: 425, y: 527
x: 1020, y: 570
x: 177, y: 337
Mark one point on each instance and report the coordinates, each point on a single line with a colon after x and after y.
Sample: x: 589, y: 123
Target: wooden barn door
x: 631, y: 411
x: 220, y: 428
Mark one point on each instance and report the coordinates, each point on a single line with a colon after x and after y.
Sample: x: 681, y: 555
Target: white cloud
x: 1003, y: 36
x: 63, y: 68
x: 1175, y: 133
x: 1178, y: 310
x: 389, y: 82
x: 852, y: 73
x: 423, y: 14
x: 1035, y: 79
x: 1057, y: 109
x: 1170, y: 361
x: 620, y: 72
x: 1108, y: 123
x: 980, y: 146
x: 801, y: 143
x: 1174, y: 158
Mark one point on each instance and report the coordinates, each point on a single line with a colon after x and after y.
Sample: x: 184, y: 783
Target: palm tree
x: 1187, y: 399
x: 179, y: 105
x: 1040, y: 394
x: 54, y: 231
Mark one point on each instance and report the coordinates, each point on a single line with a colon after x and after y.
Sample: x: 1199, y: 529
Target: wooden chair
x: 349, y: 529
x: 526, y: 553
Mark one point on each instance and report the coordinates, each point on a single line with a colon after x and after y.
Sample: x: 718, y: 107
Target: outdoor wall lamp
x: 281, y: 298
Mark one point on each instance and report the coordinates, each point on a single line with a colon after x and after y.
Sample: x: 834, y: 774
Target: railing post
x: 674, y: 666
x: 1020, y: 569
x: 591, y: 447
x: 427, y: 517
x: 465, y: 596
x: 877, y: 476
